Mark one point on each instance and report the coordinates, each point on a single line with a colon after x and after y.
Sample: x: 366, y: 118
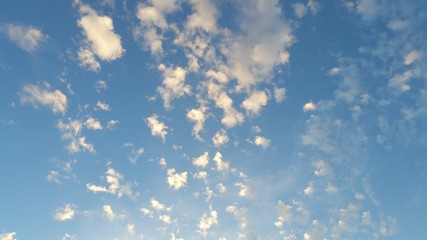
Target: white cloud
x: 108, y: 211
x: 65, y: 213
x: 221, y: 187
x: 72, y: 130
x: 322, y: 169
x: 173, y: 85
x: 8, y: 236
x: 220, y: 164
x: 100, y: 85
x: 93, y: 124
x: 157, y: 128
x: 68, y: 236
x: 310, y: 106
x: 202, y: 175
x: 112, y: 123
x: 231, y: 116
x: 220, y: 138
x: 166, y: 219
x: 284, y: 213
x: 279, y: 94
x: 42, y: 94
x: 130, y: 229
x: 28, y: 38
x: 102, y: 106
x: 309, y: 190
x: 88, y: 60
x: 245, y: 190
x: 99, y: 32
x: 114, y: 180
x: 206, y: 222
x: 411, y: 57
x: 253, y: 103
x: 334, y: 71
x: 368, y: 9
x: 155, y: 204
x: 299, y: 9
x: 197, y: 116
x: 176, y: 180
x: 202, y: 161
x: 262, y: 142
x: 204, y: 16
x: 217, y: 75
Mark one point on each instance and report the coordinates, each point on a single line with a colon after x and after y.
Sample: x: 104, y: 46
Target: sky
x: 203, y: 119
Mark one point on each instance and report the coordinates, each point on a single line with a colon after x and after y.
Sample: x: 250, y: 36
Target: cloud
x: 309, y: 190
x: 8, y: 236
x: 27, y: 38
x: 65, y: 213
x: 72, y: 130
x: 166, y: 219
x: 262, y: 142
x: 202, y: 161
x: 279, y: 94
x: 299, y: 9
x: 220, y: 138
x: 68, y: 236
x: 197, y: 116
x: 108, y: 211
x: 115, y: 186
x: 284, y: 213
x: 231, y: 116
x: 100, y: 85
x: 102, y: 106
x: 253, y: 103
x: 412, y: 57
x: 173, y: 85
x: 322, y: 169
x: 158, y: 206
x: 245, y: 190
x: 204, y: 16
x: 206, y: 222
x: 220, y: 164
x: 99, y: 33
x: 157, y: 128
x: 176, y: 180
x: 130, y: 229
x: 310, y: 106
x: 134, y: 154
x: 88, y: 60
x: 41, y: 94
x: 93, y: 124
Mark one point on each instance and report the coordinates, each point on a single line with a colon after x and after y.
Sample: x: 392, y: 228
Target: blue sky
x: 170, y: 119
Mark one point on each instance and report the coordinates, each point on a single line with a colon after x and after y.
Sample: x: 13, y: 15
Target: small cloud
x: 411, y: 57
x: 262, y: 142
x: 176, y: 180
x: 102, y: 106
x: 334, y: 71
x: 27, y: 38
x: 197, y: 116
x: 157, y: 128
x: 220, y: 164
x: 108, y: 211
x: 299, y: 9
x: 202, y: 161
x: 173, y: 85
x: 93, y: 124
x: 255, y: 102
x: 112, y: 123
x: 279, y: 94
x: 65, y: 213
x: 41, y: 94
x: 310, y: 106
x: 220, y: 138
x: 100, y: 85
x: 309, y: 190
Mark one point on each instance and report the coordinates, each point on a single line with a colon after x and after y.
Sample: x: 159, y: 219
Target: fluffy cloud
x: 93, y: 124
x: 202, y: 161
x: 299, y: 9
x: 262, y: 141
x: 101, y: 40
x: 72, y: 131
x: 203, y: 17
x: 157, y: 128
x: 284, y: 213
x: 130, y: 229
x: 206, y: 222
x: 322, y: 169
x: 197, y: 116
x: 310, y: 106
x: 176, y: 180
x: 220, y: 138
x: 108, y: 211
x: 309, y: 190
x: 253, y: 103
x: 231, y: 116
x: 115, y: 186
x: 64, y: 213
x: 28, y: 38
x: 220, y: 164
x: 8, y: 236
x: 279, y: 94
x: 173, y: 84
x: 41, y: 94
x: 102, y: 106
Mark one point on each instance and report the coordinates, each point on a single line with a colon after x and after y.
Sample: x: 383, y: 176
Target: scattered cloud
x: 202, y: 161
x: 173, y: 84
x: 310, y: 106
x: 176, y: 180
x: 220, y: 138
x: 102, y: 106
x: 108, y: 211
x: 41, y: 94
x: 157, y: 128
x: 65, y: 213
x: 262, y: 142
x: 255, y: 102
x: 220, y: 164
x: 27, y: 37
x: 198, y: 116
x: 115, y: 186
x: 206, y: 222
x: 8, y: 236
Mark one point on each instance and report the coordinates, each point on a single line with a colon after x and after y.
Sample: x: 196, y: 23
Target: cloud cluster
x: 28, y: 38
x: 41, y: 94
